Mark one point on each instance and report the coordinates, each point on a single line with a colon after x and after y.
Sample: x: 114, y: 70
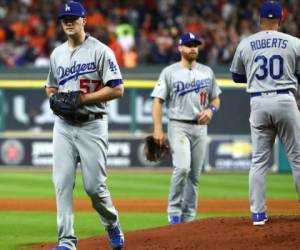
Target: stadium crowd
x: 139, y: 32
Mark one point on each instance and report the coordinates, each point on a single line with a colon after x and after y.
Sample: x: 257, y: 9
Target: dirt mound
x: 235, y: 233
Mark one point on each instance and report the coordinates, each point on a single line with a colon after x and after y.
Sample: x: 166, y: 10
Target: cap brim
x: 269, y: 17
x: 199, y: 42
x: 62, y: 16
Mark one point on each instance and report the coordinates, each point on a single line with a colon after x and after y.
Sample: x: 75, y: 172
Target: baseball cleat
x: 174, y: 219
x: 60, y: 248
x: 259, y: 219
x: 116, y: 237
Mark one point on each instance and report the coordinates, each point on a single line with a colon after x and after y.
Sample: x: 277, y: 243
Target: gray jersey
x: 87, y: 68
x: 186, y: 91
x: 269, y: 59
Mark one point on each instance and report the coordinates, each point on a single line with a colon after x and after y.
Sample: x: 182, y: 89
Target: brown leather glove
x: 153, y: 151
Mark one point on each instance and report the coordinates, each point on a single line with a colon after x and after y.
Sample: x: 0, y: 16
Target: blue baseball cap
x: 71, y: 8
x: 271, y: 10
x: 189, y: 37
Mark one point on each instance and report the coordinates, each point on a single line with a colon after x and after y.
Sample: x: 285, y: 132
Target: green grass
x: 19, y: 228
x: 127, y: 184
x: 22, y: 228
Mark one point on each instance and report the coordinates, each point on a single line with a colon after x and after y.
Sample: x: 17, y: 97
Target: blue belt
x: 281, y: 91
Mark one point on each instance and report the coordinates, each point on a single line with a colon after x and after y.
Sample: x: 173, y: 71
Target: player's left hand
x: 153, y: 150
x: 65, y: 104
x: 205, y: 117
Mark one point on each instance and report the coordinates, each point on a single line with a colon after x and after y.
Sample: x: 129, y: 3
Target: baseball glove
x: 66, y: 106
x: 153, y: 151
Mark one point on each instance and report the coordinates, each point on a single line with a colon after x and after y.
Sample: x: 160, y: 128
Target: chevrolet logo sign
x: 236, y: 149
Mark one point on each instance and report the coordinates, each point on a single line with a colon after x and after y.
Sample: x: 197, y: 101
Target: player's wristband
x: 213, y: 108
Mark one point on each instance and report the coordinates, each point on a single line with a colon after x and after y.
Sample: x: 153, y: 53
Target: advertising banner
x: 225, y: 153
x: 28, y: 109
x: 38, y: 152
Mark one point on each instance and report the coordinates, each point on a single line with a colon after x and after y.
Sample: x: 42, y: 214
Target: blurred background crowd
x: 140, y: 32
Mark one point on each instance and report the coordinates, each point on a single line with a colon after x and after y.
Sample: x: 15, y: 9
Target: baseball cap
x: 271, y: 10
x: 71, y: 8
x: 189, y: 37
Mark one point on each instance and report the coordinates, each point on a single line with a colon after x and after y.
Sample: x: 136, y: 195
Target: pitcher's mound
x: 280, y: 232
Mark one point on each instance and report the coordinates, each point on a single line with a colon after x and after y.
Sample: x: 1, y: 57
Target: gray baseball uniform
x: 186, y: 93
x: 87, y: 68
x: 270, y: 60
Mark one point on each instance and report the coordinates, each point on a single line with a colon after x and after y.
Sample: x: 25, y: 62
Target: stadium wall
x: 26, y: 122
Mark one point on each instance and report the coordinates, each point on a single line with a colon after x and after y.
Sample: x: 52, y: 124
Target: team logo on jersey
x: 112, y: 66
x: 182, y: 88
x: 66, y: 74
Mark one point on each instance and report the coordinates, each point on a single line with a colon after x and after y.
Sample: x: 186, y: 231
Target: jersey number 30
x: 272, y: 66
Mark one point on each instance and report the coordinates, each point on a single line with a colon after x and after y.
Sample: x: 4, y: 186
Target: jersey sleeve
x: 161, y: 88
x: 215, y: 89
x: 109, y: 67
x: 237, y: 65
x: 51, y: 79
x: 298, y: 58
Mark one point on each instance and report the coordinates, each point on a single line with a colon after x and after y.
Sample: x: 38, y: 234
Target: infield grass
x: 19, y: 228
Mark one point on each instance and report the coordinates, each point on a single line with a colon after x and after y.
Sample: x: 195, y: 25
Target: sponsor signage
x: 12, y: 152
x: 232, y: 154
x: 34, y: 152
x: 224, y: 154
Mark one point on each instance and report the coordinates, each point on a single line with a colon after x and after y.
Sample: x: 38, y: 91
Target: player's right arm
x: 51, y: 83
x: 158, y: 133
x: 50, y: 91
x: 111, y: 79
x: 239, y: 78
x: 237, y: 67
x: 105, y: 94
x: 159, y: 95
x: 297, y: 71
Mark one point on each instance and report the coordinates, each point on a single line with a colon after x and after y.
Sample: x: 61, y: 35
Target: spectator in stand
x: 117, y: 48
x: 194, y: 23
x: 131, y: 58
x: 125, y: 36
x: 223, y: 49
x: 27, y: 27
x: 95, y: 19
x: 162, y: 48
x: 2, y: 34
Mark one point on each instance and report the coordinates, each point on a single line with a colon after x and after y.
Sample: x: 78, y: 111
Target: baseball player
x: 192, y: 97
x: 269, y: 61
x: 83, y: 63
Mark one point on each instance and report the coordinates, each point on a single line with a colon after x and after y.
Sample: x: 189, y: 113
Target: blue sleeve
x: 239, y: 78
x: 298, y: 77
x: 114, y: 83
